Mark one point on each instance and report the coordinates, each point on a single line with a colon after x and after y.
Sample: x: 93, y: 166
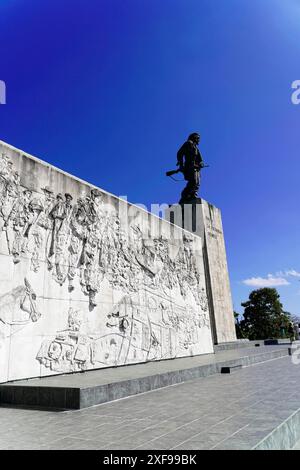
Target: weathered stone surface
x: 205, y: 220
x: 89, y: 281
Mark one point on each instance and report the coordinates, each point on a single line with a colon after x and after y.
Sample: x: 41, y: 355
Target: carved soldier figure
x: 9, y: 194
x: 60, y: 214
x: 9, y: 188
x: 44, y: 219
x: 10, y: 172
x: 16, y: 225
x: 57, y: 215
x: 190, y: 162
x: 34, y: 233
x: 78, y: 225
x: 93, y: 208
x: 4, y: 165
x: 90, y: 273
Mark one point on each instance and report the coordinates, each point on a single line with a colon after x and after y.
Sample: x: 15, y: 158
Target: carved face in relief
x: 96, y: 196
x: 55, y: 350
x: 27, y: 195
x: 69, y: 198
x: 11, y: 190
x: 16, y: 178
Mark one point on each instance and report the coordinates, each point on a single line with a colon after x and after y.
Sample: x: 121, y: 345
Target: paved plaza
x: 222, y: 411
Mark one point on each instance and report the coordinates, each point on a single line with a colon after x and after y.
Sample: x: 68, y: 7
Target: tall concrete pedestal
x: 204, y: 220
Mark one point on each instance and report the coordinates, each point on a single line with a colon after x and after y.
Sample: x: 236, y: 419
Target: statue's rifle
x: 174, y: 172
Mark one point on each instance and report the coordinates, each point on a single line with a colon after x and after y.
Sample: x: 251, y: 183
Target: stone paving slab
x: 241, y: 410
x: 81, y: 390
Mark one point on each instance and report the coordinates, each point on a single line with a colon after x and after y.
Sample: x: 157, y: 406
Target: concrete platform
x: 241, y: 343
x: 256, y: 407
x: 81, y: 390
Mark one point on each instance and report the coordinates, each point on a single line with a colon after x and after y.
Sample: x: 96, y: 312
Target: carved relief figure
x: 16, y: 225
x: 90, y: 272
x: 134, y: 332
x: 78, y: 234
x: 69, y: 351
x: 60, y: 215
x: 34, y: 233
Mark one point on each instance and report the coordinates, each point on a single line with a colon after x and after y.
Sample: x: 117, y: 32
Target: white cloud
x: 269, y: 281
x: 288, y: 273
x: 273, y: 280
x: 292, y: 273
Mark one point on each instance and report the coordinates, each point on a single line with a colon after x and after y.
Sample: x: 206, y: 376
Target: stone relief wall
x: 83, y: 285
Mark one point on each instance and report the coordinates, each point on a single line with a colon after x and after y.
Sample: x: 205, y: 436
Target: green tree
x: 264, y: 316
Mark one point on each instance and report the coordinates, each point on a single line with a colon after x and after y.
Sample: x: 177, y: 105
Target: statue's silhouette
x: 189, y: 162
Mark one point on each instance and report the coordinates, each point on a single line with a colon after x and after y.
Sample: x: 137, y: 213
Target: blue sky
x: 109, y: 89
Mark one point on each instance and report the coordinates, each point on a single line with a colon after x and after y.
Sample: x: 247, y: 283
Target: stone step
x: 286, y: 436
x: 81, y: 390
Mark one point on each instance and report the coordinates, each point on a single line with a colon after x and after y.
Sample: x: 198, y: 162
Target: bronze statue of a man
x: 190, y: 163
